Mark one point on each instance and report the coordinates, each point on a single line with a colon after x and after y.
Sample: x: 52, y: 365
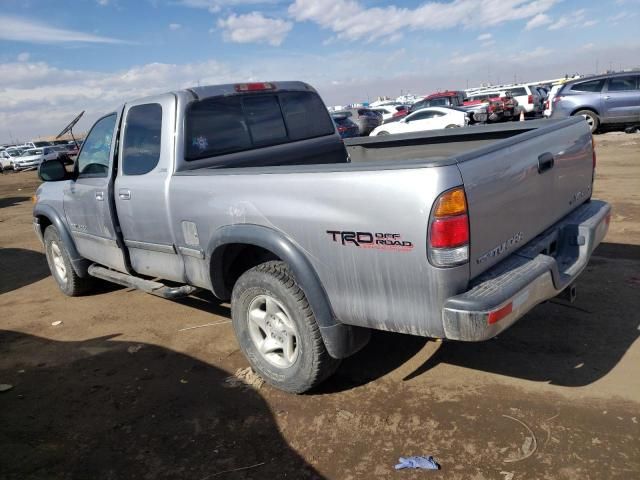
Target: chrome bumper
x: 502, y: 295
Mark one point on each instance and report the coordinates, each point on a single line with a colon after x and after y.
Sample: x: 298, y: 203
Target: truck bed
x: 441, y: 145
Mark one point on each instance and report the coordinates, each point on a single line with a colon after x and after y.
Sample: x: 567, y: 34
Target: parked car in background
x: 548, y: 104
x: 64, y: 153
x: 365, y: 118
x: 433, y: 118
x: 528, y: 98
x: 500, y: 105
x: 448, y: 98
x: 8, y: 154
x: 37, y: 144
x: 346, y: 128
x: 612, y: 99
x: 33, y: 157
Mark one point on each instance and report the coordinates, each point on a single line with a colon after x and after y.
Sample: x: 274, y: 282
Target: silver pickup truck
x: 247, y: 191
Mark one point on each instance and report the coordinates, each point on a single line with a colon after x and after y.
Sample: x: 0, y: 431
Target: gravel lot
x: 122, y: 389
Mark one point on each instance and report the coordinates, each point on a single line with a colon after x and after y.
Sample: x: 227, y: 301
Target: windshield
x: 32, y: 151
x: 14, y: 153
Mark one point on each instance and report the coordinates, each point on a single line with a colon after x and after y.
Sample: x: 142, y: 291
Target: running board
x: 149, y: 286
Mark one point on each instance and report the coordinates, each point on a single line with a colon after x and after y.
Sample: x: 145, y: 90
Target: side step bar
x: 149, y: 286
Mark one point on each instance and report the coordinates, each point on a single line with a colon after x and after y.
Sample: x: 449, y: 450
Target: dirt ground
x: 123, y: 389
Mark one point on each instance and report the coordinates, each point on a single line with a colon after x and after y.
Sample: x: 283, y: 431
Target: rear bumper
x: 506, y: 292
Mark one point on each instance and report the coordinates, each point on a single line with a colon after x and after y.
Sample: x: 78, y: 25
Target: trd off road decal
x: 378, y: 241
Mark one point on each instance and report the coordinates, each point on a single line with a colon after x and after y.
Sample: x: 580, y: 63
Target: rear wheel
x: 452, y: 126
x: 277, y: 331
x: 591, y: 117
x: 383, y: 132
x: 60, y: 265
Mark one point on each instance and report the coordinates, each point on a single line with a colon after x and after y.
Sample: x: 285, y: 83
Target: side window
x: 592, y: 86
x: 621, y: 84
x: 93, y: 160
x: 142, y: 136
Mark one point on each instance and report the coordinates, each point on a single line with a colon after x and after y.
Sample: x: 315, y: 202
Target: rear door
x: 523, y: 187
x: 621, y: 99
x: 146, y: 153
x: 88, y: 199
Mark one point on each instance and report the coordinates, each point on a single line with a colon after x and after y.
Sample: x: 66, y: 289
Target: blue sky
x: 91, y: 55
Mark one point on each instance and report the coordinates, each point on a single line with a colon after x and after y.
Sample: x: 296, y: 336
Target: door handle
x: 100, y: 196
x: 124, y: 194
x: 607, y: 97
x: 545, y: 162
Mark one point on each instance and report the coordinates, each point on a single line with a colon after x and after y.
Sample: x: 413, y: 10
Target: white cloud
x: 23, y: 57
x: 103, y: 3
x: 484, y: 37
x: 351, y: 19
x: 175, y: 26
x: 254, y: 27
x: 32, y: 31
x: 577, y: 19
x: 539, y: 20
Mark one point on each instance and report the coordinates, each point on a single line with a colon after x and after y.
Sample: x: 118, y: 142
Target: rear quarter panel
x: 384, y: 288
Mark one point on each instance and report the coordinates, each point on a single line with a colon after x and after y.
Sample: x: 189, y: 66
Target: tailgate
x: 518, y: 187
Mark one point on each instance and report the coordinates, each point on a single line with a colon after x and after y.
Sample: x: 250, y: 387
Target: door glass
x: 142, y: 136
x: 621, y: 84
x: 93, y: 160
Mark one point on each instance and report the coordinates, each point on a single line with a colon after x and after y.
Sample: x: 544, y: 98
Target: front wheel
x: 277, y: 331
x: 452, y: 126
x: 60, y: 265
x: 383, y: 132
x: 592, y: 119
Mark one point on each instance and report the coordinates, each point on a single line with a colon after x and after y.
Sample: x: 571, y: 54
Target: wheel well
x: 232, y: 260
x: 585, y: 108
x: 44, y: 223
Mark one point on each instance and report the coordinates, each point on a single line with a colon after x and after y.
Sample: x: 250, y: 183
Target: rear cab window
x: 221, y: 125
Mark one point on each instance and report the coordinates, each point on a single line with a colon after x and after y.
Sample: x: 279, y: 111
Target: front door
x: 87, y: 204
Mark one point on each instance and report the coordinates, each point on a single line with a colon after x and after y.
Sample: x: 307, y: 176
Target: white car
x: 432, y: 118
x: 33, y: 157
x: 7, y: 155
x: 548, y: 106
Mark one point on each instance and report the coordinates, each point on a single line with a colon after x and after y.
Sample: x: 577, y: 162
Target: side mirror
x: 52, y: 171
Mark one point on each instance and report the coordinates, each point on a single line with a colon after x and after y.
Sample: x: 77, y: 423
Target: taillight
x: 530, y: 99
x: 449, y: 230
x: 342, y: 129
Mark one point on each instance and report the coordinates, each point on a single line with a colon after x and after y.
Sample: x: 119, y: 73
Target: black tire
x: 452, y: 126
x: 312, y: 363
x: 383, y: 132
x: 71, y: 284
x: 591, y: 117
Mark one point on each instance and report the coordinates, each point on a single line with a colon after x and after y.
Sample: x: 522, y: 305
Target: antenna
x: 69, y: 128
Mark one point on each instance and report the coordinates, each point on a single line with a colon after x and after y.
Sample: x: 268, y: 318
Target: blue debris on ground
x: 426, y: 463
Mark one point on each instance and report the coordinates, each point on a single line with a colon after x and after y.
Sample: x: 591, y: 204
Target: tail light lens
x: 530, y: 100
x: 449, y: 230
x: 342, y: 128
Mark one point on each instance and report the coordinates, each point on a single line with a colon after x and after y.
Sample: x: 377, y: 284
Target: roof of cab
x: 230, y: 89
